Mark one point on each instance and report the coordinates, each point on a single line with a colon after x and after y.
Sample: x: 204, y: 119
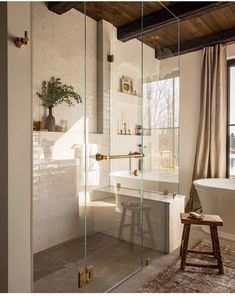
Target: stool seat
x: 213, y: 221
x: 207, y: 220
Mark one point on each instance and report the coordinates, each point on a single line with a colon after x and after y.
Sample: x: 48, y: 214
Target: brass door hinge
x: 85, y: 276
x: 147, y: 261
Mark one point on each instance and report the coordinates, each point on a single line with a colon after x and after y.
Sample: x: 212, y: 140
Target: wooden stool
x: 135, y: 209
x: 211, y: 220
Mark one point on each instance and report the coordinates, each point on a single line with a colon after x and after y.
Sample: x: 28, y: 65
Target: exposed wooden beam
x: 196, y: 44
x: 61, y: 7
x: 183, y: 10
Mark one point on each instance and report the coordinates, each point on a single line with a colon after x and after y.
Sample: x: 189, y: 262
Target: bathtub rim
x: 207, y: 188
x: 130, y: 175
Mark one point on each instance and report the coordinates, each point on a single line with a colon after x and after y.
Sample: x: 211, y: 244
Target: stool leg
x: 217, y: 249
x: 138, y: 222
x: 212, y: 240
x: 122, y: 222
x: 182, y: 240
x: 132, y: 228
x: 150, y: 228
x: 185, y: 246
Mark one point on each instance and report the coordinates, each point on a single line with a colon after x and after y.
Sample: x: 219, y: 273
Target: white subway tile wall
x: 58, y: 173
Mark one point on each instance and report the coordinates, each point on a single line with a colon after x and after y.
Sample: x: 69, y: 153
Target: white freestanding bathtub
x: 217, y: 197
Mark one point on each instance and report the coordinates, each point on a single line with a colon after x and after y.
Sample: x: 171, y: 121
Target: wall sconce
x: 21, y: 42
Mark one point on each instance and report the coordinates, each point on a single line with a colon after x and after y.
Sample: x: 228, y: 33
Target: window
x: 161, y: 102
x: 231, y: 118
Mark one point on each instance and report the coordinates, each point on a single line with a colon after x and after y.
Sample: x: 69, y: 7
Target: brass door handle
x: 100, y: 157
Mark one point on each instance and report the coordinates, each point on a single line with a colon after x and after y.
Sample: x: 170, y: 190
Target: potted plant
x: 53, y: 93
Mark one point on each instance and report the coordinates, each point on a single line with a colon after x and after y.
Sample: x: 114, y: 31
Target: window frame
x: 230, y: 63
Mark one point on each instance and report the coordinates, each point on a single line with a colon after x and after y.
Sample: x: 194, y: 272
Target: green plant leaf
x: 54, y: 92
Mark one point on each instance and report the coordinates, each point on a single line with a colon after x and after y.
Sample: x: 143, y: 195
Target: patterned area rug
x: 196, y: 279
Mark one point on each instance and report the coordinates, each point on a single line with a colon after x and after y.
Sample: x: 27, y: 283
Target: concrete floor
x: 56, y: 269
x: 159, y: 264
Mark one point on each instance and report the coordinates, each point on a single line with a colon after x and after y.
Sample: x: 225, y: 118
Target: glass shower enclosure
x: 105, y: 170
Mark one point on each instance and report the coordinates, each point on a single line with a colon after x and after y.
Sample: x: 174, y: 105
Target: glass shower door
x: 100, y: 177
x: 113, y: 205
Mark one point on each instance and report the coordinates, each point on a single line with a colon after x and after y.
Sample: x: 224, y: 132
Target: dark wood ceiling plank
x: 187, y: 26
x: 117, y: 13
x: 202, y: 26
x: 230, y: 15
x: 211, y: 22
x: 196, y: 44
x: 221, y: 19
x: 183, y: 10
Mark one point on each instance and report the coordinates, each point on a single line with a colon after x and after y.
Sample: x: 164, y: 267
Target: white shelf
x: 133, y: 135
x: 127, y: 98
x: 47, y: 132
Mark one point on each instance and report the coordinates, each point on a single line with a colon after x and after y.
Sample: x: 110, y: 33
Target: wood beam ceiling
x: 158, y: 20
x: 153, y: 21
x: 196, y: 44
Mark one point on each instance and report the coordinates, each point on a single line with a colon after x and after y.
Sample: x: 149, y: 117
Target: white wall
x: 190, y: 81
x: 19, y: 150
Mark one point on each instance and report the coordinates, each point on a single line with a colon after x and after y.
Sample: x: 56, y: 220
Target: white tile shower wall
x: 55, y: 203
x: 58, y: 49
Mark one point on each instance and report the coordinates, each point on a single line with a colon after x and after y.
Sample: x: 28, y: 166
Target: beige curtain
x: 210, y: 159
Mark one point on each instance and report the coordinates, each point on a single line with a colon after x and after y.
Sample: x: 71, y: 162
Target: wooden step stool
x: 212, y: 221
x: 135, y: 211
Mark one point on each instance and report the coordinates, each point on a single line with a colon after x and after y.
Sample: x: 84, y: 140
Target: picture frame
x: 126, y: 85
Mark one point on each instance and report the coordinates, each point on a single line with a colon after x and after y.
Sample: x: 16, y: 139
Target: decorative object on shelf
x: 62, y: 127
x: 124, y: 127
x: 50, y: 121
x: 126, y: 85
x: 38, y: 126
x: 59, y: 128
x: 138, y: 129
x: 165, y: 192
x: 136, y: 173
x: 53, y: 93
x: 23, y: 41
x: 135, y: 93
x: 118, y: 186
x: 47, y: 147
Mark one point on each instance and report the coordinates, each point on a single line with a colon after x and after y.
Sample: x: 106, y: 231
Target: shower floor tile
x: 56, y: 269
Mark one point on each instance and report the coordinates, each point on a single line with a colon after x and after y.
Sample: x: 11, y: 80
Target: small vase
x: 50, y: 121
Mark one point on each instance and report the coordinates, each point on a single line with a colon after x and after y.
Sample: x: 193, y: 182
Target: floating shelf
x: 128, y: 98
x: 47, y: 132
x: 134, y: 135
